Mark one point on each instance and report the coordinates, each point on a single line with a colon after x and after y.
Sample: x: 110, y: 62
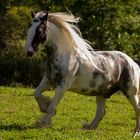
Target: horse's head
x: 37, y: 32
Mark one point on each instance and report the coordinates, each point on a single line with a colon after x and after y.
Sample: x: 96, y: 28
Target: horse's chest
x: 53, y: 68
x: 54, y: 72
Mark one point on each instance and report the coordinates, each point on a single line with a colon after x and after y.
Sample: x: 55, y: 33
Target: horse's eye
x: 35, y: 20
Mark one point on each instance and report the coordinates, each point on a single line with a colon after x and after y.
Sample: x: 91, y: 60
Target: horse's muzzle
x: 29, y: 53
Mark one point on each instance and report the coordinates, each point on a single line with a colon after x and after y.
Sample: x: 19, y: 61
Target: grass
x: 19, y: 111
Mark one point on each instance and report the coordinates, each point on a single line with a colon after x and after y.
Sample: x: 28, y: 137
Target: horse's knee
x: 43, y: 102
x: 42, y: 109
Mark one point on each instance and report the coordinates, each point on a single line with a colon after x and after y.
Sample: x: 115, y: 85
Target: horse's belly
x: 96, y: 87
x: 84, y: 86
x: 105, y: 91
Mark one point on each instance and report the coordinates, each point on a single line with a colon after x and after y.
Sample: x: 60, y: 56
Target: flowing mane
x: 71, y: 34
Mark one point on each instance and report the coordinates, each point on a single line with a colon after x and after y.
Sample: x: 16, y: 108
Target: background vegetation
x: 108, y: 24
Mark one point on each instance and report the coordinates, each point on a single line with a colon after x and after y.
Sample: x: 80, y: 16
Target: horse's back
x: 119, y: 57
x: 121, y: 61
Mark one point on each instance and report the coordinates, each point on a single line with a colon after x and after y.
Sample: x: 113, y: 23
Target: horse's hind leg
x: 100, y: 112
x: 133, y: 97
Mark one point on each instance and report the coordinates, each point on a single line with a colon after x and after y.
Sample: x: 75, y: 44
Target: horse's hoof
x: 89, y: 126
x: 86, y: 125
x: 41, y: 123
x: 136, y: 133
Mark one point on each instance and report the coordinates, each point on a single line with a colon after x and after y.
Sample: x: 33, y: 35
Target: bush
x: 108, y: 24
x: 15, y: 68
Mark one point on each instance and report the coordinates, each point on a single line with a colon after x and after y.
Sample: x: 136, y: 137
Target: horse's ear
x: 33, y: 14
x: 45, y: 17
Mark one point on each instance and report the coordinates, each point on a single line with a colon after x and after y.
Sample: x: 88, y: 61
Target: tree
x: 108, y: 24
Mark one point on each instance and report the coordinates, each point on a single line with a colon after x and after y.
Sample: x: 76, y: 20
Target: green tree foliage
x: 108, y: 24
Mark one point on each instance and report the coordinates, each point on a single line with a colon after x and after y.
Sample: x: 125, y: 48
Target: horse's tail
x: 138, y: 63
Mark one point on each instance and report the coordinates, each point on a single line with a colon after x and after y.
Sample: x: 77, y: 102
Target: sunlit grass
x: 19, y: 111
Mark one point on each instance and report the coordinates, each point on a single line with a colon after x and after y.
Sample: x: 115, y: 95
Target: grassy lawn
x: 19, y: 111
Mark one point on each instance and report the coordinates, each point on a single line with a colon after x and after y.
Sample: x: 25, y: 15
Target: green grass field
x: 19, y: 111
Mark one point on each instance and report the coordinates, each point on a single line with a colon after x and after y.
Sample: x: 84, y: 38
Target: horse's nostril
x: 29, y: 53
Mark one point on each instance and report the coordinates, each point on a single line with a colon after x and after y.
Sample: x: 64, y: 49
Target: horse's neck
x: 57, y: 37
x: 67, y: 51
x: 55, y: 56
x: 51, y: 52
x: 66, y: 56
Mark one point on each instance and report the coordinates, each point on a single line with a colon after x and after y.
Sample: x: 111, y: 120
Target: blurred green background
x: 108, y: 24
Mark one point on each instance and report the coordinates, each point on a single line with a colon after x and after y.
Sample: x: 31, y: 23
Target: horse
x: 72, y: 64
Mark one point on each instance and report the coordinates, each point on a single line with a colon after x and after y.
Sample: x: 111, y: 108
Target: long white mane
x: 70, y: 36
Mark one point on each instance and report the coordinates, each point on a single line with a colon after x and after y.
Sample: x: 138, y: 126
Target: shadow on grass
x: 18, y: 127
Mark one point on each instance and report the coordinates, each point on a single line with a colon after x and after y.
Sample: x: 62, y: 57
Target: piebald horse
x: 73, y: 65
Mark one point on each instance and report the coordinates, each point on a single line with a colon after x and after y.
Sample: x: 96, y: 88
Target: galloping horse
x: 73, y: 65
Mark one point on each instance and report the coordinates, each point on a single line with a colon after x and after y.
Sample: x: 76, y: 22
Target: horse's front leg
x: 100, y: 112
x: 46, y: 120
x: 42, y: 101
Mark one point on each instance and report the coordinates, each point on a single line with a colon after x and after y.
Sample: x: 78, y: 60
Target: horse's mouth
x: 29, y: 50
